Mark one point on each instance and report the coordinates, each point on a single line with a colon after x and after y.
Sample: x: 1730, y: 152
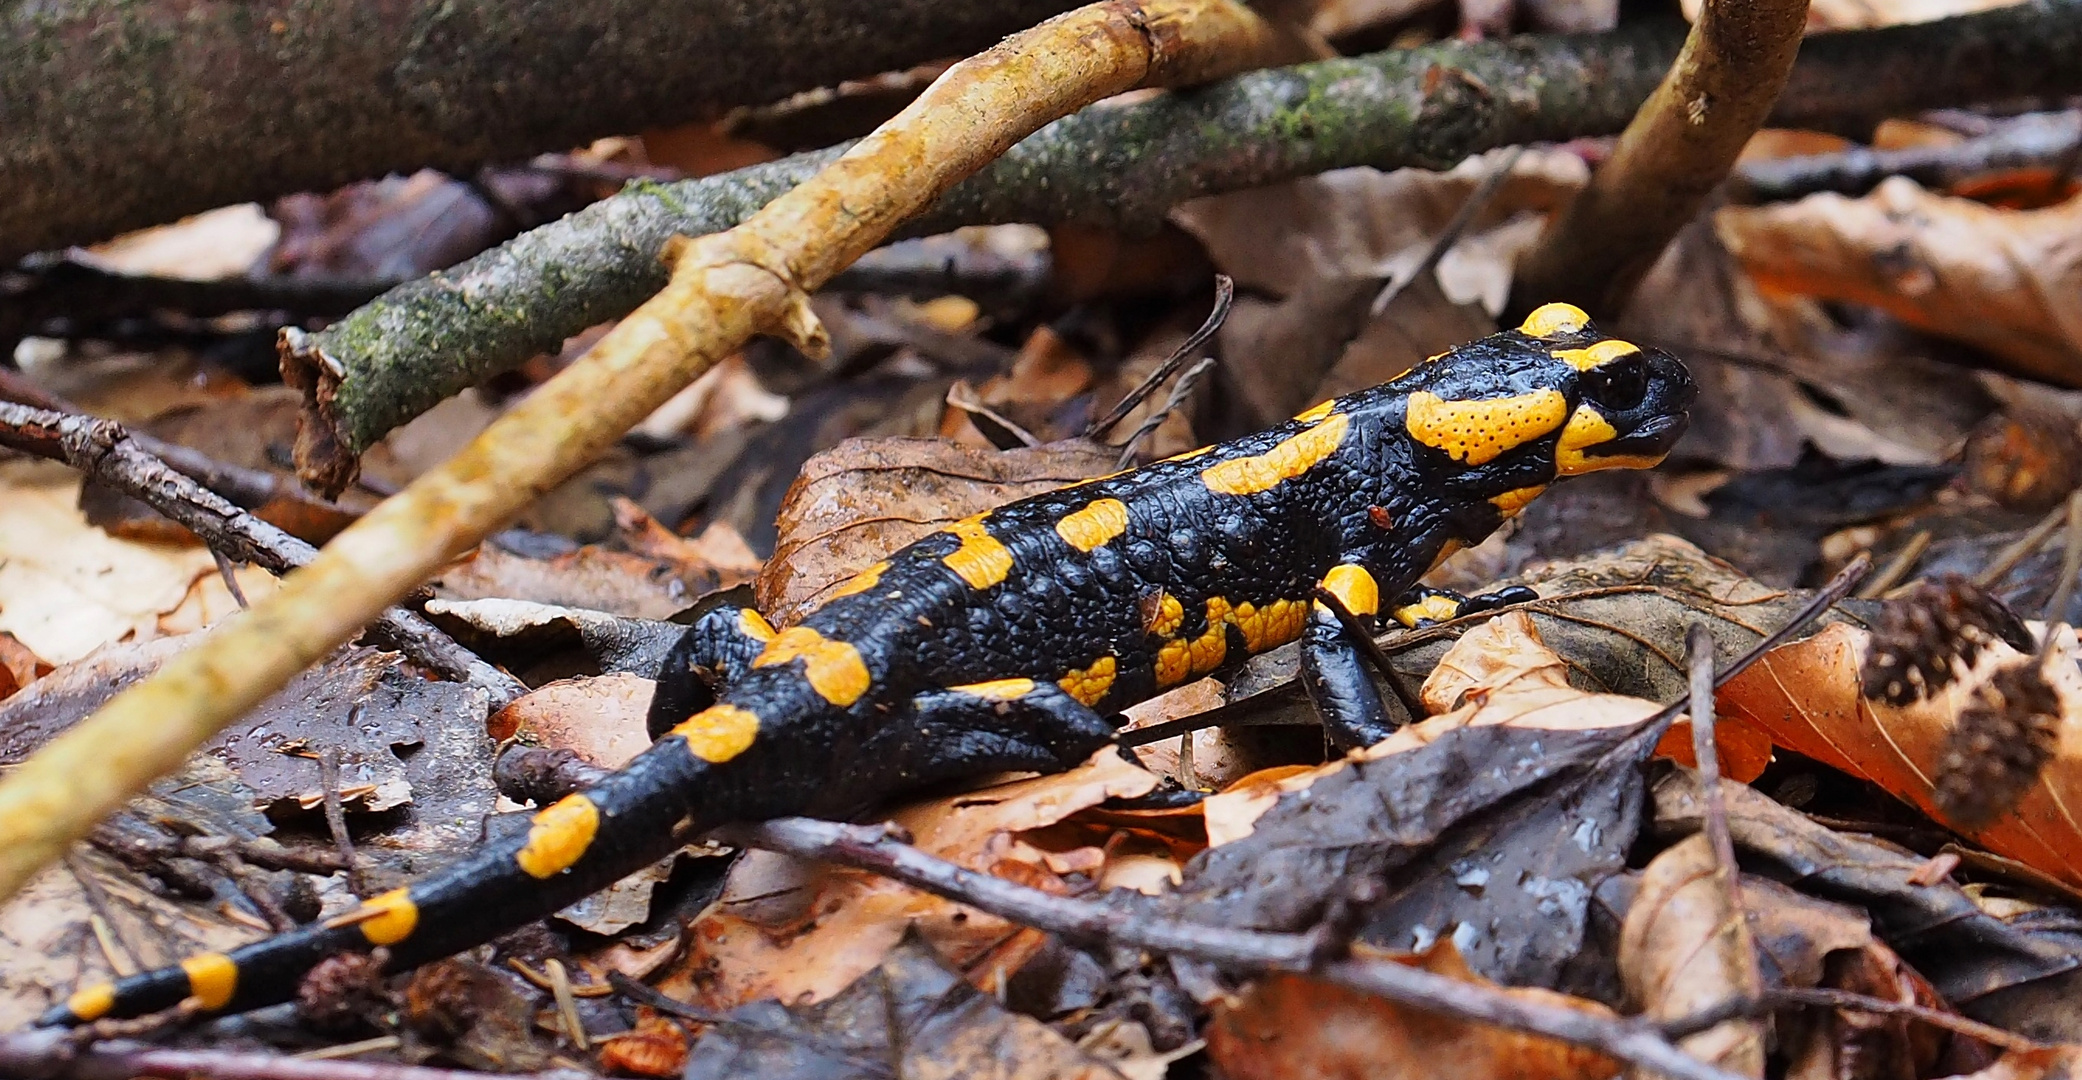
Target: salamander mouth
x: 1655, y: 437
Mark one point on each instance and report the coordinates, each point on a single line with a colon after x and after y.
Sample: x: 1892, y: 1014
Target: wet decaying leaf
x: 1806, y: 696
x: 1685, y: 948
x: 401, y: 739
x: 1490, y: 825
x: 909, y: 1018
x: 1286, y: 1026
x: 1979, y: 951
x: 866, y: 498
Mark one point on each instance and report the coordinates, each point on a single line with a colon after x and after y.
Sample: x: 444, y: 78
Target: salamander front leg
x: 1333, y: 663
x: 1424, y: 605
x: 998, y: 726
x: 713, y: 653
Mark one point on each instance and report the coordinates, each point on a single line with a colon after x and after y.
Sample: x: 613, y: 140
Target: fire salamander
x: 1005, y: 641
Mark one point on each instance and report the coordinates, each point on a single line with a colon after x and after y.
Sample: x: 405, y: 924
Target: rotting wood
x: 725, y: 288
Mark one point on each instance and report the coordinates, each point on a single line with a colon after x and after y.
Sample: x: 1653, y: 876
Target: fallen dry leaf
x: 18, y: 665
x: 865, y: 498
x: 2005, y: 281
x: 593, y: 577
x: 1683, y: 948
x: 1805, y: 695
x: 600, y: 718
x: 789, y: 931
x: 67, y: 588
x: 1290, y: 1026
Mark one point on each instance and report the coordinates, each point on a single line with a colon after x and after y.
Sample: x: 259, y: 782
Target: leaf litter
x: 1529, y: 832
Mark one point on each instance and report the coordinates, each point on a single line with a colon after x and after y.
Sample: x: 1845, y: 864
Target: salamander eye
x: 1618, y: 385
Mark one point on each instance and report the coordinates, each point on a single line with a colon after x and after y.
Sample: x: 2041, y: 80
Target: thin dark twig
x: 1187, y: 383
x: 231, y: 579
x: 103, y: 450
x: 1780, y: 997
x: 1482, y: 196
x: 2007, y: 559
x: 670, y: 1006
x: 1225, y: 297
x: 2070, y: 563
x: 1824, y: 598
x: 1698, y: 642
x: 336, y: 814
x: 877, y: 849
x: 1897, y: 567
x: 53, y: 1054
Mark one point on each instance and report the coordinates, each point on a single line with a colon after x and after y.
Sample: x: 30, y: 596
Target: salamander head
x: 1552, y: 398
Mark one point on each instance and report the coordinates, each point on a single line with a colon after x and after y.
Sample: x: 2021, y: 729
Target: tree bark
x: 1125, y: 167
x: 115, y: 114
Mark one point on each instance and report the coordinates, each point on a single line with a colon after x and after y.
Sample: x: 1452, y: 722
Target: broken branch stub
x: 724, y: 289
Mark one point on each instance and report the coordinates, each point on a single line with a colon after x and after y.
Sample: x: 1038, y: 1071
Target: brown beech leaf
x: 865, y: 498
x: 2050, y: 1063
x: 1806, y: 697
x: 2005, y: 281
x: 19, y: 665
x: 1683, y: 948
x: 1288, y: 1026
x: 792, y: 931
x: 600, y: 718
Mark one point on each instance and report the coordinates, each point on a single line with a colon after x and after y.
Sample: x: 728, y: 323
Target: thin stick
x: 877, y: 849
x: 724, y: 289
x: 1698, y: 643
x: 2020, y: 549
x: 1484, y: 193
x: 51, y: 1054
x: 1897, y: 567
x: 1225, y: 297
x: 1776, y: 998
x: 1187, y: 383
x: 336, y: 814
x: 105, y: 451
x: 2070, y: 563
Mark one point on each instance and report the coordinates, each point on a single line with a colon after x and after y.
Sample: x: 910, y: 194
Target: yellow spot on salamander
x: 1604, y: 352
x: 1098, y: 523
x: 998, y: 689
x: 92, y: 1002
x: 1436, y: 608
x: 394, y: 917
x: 1477, y: 432
x: 559, y: 835
x: 1511, y: 502
x: 1354, y: 588
x: 1271, y: 626
x: 718, y: 733
x: 1291, y: 458
x: 754, y: 625
x: 1089, y: 684
x: 212, y: 979
x: 1588, y: 428
x: 1169, y: 614
x: 833, y: 668
x: 980, y: 560
x: 385, y: 919
x: 1446, y: 551
x: 1316, y: 412
x: 1554, y: 320
x: 858, y: 583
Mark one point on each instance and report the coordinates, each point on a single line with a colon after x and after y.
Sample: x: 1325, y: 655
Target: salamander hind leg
x: 713, y: 653
x: 1007, y: 724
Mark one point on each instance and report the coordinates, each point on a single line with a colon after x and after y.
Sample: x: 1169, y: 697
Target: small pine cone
x: 1926, y: 637
x: 2001, y: 742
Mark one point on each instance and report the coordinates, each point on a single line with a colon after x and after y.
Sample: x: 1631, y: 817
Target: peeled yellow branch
x: 1679, y: 146
x: 724, y: 289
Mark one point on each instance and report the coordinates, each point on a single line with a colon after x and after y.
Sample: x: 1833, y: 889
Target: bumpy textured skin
x: 1003, y: 641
